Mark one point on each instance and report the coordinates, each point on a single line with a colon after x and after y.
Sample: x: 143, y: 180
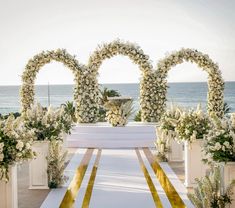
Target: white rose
x: 1, y: 157
x: 19, y: 145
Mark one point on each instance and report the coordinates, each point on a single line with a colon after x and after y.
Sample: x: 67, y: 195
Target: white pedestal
x: 38, y: 178
x: 8, y: 191
x: 227, y: 175
x: 194, y: 167
x: 176, y: 151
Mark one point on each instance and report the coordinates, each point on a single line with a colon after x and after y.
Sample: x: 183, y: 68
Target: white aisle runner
x: 120, y: 182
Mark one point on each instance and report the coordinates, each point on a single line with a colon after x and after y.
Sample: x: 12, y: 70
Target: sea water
x: 181, y: 94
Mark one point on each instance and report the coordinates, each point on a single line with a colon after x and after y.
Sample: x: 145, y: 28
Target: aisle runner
x: 118, y: 178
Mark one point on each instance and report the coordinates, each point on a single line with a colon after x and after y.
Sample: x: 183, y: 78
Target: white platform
x: 103, y: 135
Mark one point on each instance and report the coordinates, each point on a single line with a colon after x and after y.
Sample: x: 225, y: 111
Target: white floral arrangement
x: 56, y: 164
x: 119, y: 110
x: 162, y: 145
x: 215, y: 96
x: 219, y: 145
x: 193, y: 124
x: 84, y: 110
x: 15, y: 144
x: 48, y: 124
x: 136, y: 54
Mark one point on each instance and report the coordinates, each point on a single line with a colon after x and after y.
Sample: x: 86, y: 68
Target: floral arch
x: 215, y: 98
x: 33, y: 66
x: 136, y: 54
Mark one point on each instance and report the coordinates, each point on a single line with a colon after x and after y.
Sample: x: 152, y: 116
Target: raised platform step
x: 103, y: 135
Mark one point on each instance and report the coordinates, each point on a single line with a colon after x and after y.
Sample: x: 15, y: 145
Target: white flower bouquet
x: 15, y: 144
x: 219, y: 145
x: 48, y: 124
x: 119, y: 110
x: 193, y: 125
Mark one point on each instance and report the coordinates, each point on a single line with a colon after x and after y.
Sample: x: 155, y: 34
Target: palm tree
x: 105, y: 93
x: 70, y: 109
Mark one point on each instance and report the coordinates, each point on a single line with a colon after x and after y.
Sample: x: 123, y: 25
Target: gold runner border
x: 72, y: 191
x: 173, y: 196
x: 87, y: 197
x: 152, y: 188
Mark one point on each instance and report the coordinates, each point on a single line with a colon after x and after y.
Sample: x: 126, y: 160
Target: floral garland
x: 215, y: 82
x: 136, y: 54
x: 37, y: 62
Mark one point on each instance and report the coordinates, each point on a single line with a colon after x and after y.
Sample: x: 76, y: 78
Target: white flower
x: 217, y: 146
x: 1, y: 157
x: 19, y: 145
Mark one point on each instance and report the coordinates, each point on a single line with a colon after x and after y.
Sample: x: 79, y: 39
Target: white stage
x: 103, y: 135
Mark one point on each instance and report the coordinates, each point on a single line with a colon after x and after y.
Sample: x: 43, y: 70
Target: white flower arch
x: 33, y: 66
x: 136, y: 54
x: 215, y: 95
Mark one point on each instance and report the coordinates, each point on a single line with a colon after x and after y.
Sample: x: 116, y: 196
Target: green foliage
x: 226, y: 108
x: 208, y: 192
x: 138, y: 116
x: 104, y: 94
x: 16, y: 115
x: 56, y: 164
x: 69, y: 109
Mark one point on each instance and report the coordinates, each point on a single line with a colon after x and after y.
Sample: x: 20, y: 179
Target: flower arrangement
x: 56, y: 164
x: 15, y: 144
x: 219, y: 144
x: 48, y: 124
x: 162, y: 145
x: 193, y: 125
x: 215, y: 102
x: 208, y: 192
x: 119, y: 110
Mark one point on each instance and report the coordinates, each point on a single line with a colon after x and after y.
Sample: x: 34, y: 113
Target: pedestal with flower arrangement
x: 191, y: 128
x: 219, y: 151
x: 119, y: 110
x: 15, y: 147
x: 48, y: 125
x: 166, y: 143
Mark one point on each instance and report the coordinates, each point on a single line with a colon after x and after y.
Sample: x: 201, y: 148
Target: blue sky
x: 159, y: 26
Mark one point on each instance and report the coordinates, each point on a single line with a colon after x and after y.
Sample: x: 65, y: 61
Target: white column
x: 227, y: 175
x: 38, y: 178
x: 176, y: 151
x: 8, y: 191
x: 194, y: 167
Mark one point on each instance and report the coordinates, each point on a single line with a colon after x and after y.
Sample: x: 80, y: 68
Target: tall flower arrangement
x: 15, y: 144
x: 194, y: 124
x: 48, y: 124
x: 215, y: 102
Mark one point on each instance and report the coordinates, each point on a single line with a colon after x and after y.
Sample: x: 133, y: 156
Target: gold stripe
x: 152, y: 188
x: 87, y: 197
x: 72, y: 191
x: 173, y: 196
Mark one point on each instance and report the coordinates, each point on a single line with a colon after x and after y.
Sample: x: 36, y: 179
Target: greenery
x: 56, y: 164
x: 69, y: 109
x: 16, y: 115
x: 226, y: 108
x: 104, y: 94
x: 208, y: 194
x: 138, y: 116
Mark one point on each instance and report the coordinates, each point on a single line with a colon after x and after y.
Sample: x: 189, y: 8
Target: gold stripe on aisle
x: 173, y: 196
x: 152, y: 188
x: 87, y: 197
x: 72, y: 191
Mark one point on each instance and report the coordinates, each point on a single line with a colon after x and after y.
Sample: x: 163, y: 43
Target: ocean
x: 181, y: 94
